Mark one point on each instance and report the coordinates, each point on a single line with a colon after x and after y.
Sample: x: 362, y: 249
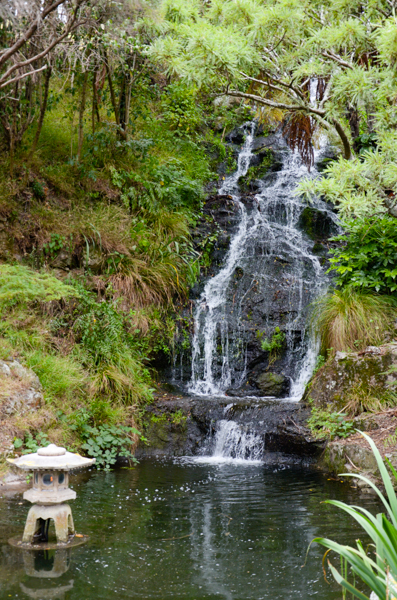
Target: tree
x: 30, y: 34
x: 324, y: 64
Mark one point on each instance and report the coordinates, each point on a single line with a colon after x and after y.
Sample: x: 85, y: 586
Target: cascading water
x: 270, y: 274
x: 232, y: 442
x: 211, y: 305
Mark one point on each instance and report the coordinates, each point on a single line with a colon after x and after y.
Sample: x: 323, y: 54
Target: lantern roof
x: 51, y: 457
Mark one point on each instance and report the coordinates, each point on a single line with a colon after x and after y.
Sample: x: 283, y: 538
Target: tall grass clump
x: 351, y: 319
x: 375, y: 565
x: 110, y: 353
x: 62, y: 377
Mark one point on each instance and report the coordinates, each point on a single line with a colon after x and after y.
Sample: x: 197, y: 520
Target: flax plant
x: 377, y: 570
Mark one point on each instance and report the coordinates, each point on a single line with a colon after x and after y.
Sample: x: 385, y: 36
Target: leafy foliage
x: 324, y: 423
x: 275, y: 345
x: 107, y: 443
x: 351, y: 319
x: 368, y: 257
x: 31, y: 444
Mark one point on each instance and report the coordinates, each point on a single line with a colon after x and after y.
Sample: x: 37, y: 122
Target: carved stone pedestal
x: 61, y: 514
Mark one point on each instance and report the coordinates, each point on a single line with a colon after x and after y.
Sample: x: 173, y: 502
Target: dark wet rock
x: 272, y: 384
x: 316, y: 224
x: 326, y: 158
x: 236, y: 136
x: 272, y: 141
x: 183, y: 426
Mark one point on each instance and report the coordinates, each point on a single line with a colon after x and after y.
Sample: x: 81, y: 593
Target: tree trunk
x: 95, y: 109
x: 111, y: 89
x: 43, y: 108
x: 81, y: 116
x: 124, y: 105
x: 13, y: 127
x: 345, y: 140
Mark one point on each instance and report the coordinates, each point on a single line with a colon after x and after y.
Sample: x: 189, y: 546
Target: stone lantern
x: 50, y: 491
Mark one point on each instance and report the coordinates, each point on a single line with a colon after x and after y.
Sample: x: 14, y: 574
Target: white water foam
x: 233, y: 444
x: 214, y: 293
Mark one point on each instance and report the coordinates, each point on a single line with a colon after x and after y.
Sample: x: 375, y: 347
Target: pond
x: 192, y: 530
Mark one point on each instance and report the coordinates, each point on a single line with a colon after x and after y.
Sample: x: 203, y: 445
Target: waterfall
x: 270, y: 274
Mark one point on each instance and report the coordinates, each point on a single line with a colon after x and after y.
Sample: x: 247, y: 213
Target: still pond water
x: 190, y: 530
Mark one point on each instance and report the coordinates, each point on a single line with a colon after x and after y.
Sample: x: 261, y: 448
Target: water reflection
x: 191, y: 531
x: 46, y: 563
x: 42, y: 567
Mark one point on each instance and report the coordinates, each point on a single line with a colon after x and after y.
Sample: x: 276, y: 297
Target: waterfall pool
x: 193, y: 530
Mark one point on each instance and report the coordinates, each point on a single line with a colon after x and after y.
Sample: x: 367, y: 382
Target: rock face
x: 354, y: 376
x: 271, y: 283
x: 20, y: 393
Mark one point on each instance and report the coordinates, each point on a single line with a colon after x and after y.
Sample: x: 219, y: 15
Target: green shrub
x: 351, y: 319
x: 181, y: 111
x: 368, y: 257
x: 107, y: 443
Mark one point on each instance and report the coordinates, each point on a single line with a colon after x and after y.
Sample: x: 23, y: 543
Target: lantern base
x: 73, y: 542
x: 38, y: 521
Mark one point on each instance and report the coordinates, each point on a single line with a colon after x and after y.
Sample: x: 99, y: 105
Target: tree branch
x: 31, y: 31
x: 10, y: 81
x: 295, y: 108
x: 71, y: 26
x: 337, y: 59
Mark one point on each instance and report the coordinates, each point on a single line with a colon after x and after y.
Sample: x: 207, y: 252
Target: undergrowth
x: 327, y: 424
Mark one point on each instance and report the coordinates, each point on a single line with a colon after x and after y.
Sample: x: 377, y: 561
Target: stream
x: 189, y: 529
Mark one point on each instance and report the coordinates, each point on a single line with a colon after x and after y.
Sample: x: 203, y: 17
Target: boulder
x: 371, y: 372
x: 272, y: 384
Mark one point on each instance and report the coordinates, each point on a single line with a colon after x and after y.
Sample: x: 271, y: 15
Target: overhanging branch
x: 10, y: 81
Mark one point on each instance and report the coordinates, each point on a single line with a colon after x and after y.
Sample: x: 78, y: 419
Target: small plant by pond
x: 324, y: 423
x: 376, y: 564
x: 31, y: 444
x: 107, y: 443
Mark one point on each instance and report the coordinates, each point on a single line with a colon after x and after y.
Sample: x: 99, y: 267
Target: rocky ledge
x: 180, y: 426
x: 20, y: 393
